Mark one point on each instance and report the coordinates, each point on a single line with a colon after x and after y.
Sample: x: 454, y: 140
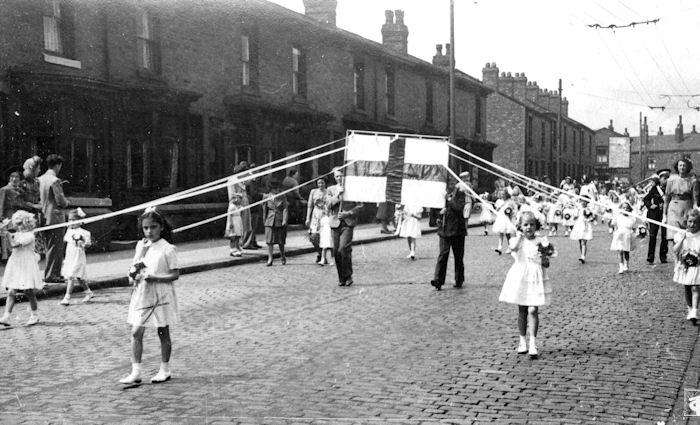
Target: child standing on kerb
x: 74, y: 263
x: 686, y: 247
x: 22, y: 271
x: 153, y: 301
x: 526, y: 283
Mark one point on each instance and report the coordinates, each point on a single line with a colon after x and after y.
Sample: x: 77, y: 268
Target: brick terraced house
x: 145, y: 97
x: 522, y: 123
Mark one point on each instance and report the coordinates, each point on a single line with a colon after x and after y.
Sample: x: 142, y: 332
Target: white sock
x: 165, y: 367
x: 532, y: 341
x: 522, y: 340
x: 136, y: 368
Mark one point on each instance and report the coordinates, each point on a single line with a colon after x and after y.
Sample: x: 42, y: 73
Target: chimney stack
x: 661, y: 132
x: 693, y: 131
x: 610, y: 126
x: 520, y: 86
x: 565, y: 107
x: 554, y: 102
x: 395, y: 33
x: 626, y: 133
x: 321, y: 10
x: 489, y: 75
x: 506, y: 83
x: 532, y: 90
x: 439, y: 59
x: 679, y: 129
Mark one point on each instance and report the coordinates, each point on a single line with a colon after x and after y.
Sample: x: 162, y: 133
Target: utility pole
x: 558, y: 152
x: 452, y: 74
x: 641, y: 147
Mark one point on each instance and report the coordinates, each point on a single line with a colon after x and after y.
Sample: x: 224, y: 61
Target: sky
x: 605, y: 74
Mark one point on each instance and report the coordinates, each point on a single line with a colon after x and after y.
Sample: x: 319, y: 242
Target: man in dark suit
x: 654, y: 203
x: 343, y: 220
x: 451, y: 232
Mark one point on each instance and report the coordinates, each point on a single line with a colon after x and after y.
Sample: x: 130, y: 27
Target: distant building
x: 663, y: 150
x: 602, y: 150
x: 522, y: 122
x: 144, y: 97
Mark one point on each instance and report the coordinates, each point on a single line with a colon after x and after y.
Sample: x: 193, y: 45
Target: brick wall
x: 506, y: 128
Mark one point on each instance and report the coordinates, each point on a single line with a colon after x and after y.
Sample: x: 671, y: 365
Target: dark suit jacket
x: 653, y: 197
x: 453, y: 219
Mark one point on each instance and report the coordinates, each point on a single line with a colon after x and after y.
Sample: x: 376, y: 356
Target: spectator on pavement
x: 276, y: 217
x: 53, y: 201
x: 451, y: 232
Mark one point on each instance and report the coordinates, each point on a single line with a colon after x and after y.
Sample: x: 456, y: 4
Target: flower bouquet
x: 546, y: 251
x: 567, y: 216
x: 557, y: 213
x: 641, y: 231
x: 690, y: 259
x: 508, y: 211
x: 78, y: 239
x: 137, y: 271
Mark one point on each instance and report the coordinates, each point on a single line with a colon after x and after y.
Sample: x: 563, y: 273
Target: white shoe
x: 687, y: 316
x: 626, y: 267
x: 160, y: 377
x: 532, y: 352
x: 133, y: 378
x: 33, y: 320
x: 508, y: 251
x: 88, y: 296
x: 5, y: 319
x: 693, y: 314
x: 621, y: 269
x: 65, y: 301
x: 522, y: 347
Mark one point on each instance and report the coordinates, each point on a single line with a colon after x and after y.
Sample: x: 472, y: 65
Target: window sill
x: 148, y: 74
x: 60, y: 60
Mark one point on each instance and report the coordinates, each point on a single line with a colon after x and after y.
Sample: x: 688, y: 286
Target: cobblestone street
x: 285, y: 344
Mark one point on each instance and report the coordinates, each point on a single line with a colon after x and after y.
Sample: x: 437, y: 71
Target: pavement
x: 286, y: 345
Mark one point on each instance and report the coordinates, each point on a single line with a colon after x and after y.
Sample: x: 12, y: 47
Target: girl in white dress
x: 410, y: 227
x: 503, y: 224
x: 623, y: 240
x: 486, y: 217
x: 583, y: 229
x: 74, y: 263
x: 686, y: 248
x: 325, y: 240
x: 526, y: 283
x: 155, y: 268
x: 554, y: 216
x: 22, y: 270
x: 570, y: 213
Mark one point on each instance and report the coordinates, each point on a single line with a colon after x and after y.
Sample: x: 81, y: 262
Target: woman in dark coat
x: 276, y: 217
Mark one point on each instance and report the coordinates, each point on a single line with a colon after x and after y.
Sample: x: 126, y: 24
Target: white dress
x: 155, y: 302
x: 504, y: 221
x: 691, y: 245
x: 623, y: 236
x: 74, y: 262
x: 569, y: 215
x: 22, y: 269
x: 486, y: 215
x: 554, y: 213
x: 526, y: 282
x: 325, y: 239
x: 583, y: 228
x: 410, y: 225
